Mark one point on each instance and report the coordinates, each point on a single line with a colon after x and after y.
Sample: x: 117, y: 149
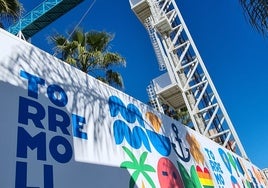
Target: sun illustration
x: 154, y: 120
x: 195, y: 149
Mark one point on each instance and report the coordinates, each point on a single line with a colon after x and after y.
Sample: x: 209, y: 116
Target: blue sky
x: 233, y: 52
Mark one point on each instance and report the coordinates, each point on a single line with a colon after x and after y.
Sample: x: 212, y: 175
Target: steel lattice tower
x: 186, y: 82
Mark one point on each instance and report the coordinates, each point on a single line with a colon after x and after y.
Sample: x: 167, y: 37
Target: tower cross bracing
x: 41, y: 16
x: 186, y: 82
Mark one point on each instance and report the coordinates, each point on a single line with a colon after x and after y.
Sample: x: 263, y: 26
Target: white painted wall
x: 39, y: 97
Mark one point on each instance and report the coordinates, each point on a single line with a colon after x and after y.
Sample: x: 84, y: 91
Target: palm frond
x: 79, y: 36
x: 113, y: 59
x: 130, y: 154
x: 256, y: 12
x: 128, y: 164
x: 10, y: 10
x: 114, y: 78
x: 98, y: 41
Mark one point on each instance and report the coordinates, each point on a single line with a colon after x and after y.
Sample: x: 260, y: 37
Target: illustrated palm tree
x: 9, y: 10
x: 139, y: 167
x: 88, y: 51
x: 256, y: 12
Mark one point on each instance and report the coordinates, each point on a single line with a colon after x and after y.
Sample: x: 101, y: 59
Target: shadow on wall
x: 84, y: 99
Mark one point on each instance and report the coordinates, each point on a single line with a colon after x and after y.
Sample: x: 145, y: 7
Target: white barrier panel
x: 62, y: 128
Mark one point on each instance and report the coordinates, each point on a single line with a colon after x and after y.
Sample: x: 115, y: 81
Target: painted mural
x: 66, y: 129
x: 181, y: 161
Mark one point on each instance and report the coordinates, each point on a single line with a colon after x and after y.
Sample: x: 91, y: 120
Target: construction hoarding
x: 63, y: 128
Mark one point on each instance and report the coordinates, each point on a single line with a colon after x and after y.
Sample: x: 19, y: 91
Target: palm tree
x: 10, y: 10
x: 88, y: 51
x: 256, y: 12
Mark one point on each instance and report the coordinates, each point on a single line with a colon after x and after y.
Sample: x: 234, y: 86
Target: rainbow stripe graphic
x: 204, y: 177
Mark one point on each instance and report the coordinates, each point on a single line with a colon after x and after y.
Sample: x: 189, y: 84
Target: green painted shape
x: 195, y: 177
x: 186, y: 178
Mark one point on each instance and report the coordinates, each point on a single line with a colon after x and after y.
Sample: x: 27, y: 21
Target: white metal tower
x: 186, y: 82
